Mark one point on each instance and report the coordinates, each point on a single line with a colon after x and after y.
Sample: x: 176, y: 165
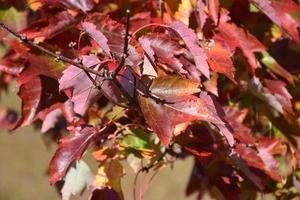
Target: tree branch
x: 50, y: 53
x: 125, y: 47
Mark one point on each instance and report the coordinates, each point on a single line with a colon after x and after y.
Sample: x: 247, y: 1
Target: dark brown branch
x: 147, y: 92
x: 125, y: 47
x: 87, y: 70
x: 50, y: 53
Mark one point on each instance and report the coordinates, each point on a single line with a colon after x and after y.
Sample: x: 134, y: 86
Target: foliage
x: 149, y: 82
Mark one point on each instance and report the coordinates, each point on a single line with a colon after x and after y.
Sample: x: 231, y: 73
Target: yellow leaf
x: 184, y: 11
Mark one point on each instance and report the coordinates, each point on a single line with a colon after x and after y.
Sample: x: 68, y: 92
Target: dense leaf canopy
x: 152, y: 81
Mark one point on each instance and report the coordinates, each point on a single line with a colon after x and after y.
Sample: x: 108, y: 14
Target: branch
x: 87, y: 70
x: 147, y: 92
x: 50, y: 53
x: 125, y: 47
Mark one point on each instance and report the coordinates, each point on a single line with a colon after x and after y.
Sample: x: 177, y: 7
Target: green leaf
x: 136, y: 139
x: 13, y: 19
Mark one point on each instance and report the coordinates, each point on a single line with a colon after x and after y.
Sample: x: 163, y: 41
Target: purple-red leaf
x: 70, y: 149
x: 38, y: 94
x: 283, y: 13
x: 236, y: 37
x: 165, y: 51
x: 181, y: 107
x: 97, y: 35
x: 191, y: 41
x: 201, y: 13
x: 81, y: 90
x: 84, y: 5
x: 49, y: 27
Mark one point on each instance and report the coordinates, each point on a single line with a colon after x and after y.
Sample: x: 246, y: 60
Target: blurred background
x: 24, y: 159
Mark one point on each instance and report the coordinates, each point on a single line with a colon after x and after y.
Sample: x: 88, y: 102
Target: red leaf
x: 213, y: 7
x: 183, y: 107
x: 98, y: 36
x: 30, y: 94
x: 12, y: 64
x: 219, y: 58
x: 267, y: 148
x: 38, y: 94
x: 48, y: 28
x: 235, y: 118
x: 139, y: 19
x: 250, y: 156
x: 201, y: 13
x: 277, y: 88
x: 263, y: 158
x: 282, y: 13
x: 83, y: 93
x: 191, y: 41
x: 71, y: 149
x: 237, y: 37
x: 84, y: 5
x: 164, y: 49
x: 114, y: 32
x: 38, y: 64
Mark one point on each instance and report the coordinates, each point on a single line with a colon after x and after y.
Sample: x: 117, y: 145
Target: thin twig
x: 146, y: 169
x: 87, y: 70
x: 125, y: 47
x: 50, y: 53
x: 148, y: 93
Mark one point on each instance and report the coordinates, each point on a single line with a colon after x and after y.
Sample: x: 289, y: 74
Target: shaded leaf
x: 236, y: 37
x: 70, y: 149
x: 271, y: 63
x: 38, y: 64
x: 165, y: 51
x: 98, y: 36
x: 163, y: 117
x: 278, y: 89
x: 104, y: 194
x: 282, y: 13
x: 256, y: 87
x: 12, y: 64
x: 191, y: 41
x: 114, y: 32
x: 48, y: 28
x: 241, y: 132
x: 84, y: 5
x: 38, y: 94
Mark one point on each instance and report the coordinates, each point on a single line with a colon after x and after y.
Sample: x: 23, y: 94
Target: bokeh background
x: 24, y: 159
x: 25, y: 156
